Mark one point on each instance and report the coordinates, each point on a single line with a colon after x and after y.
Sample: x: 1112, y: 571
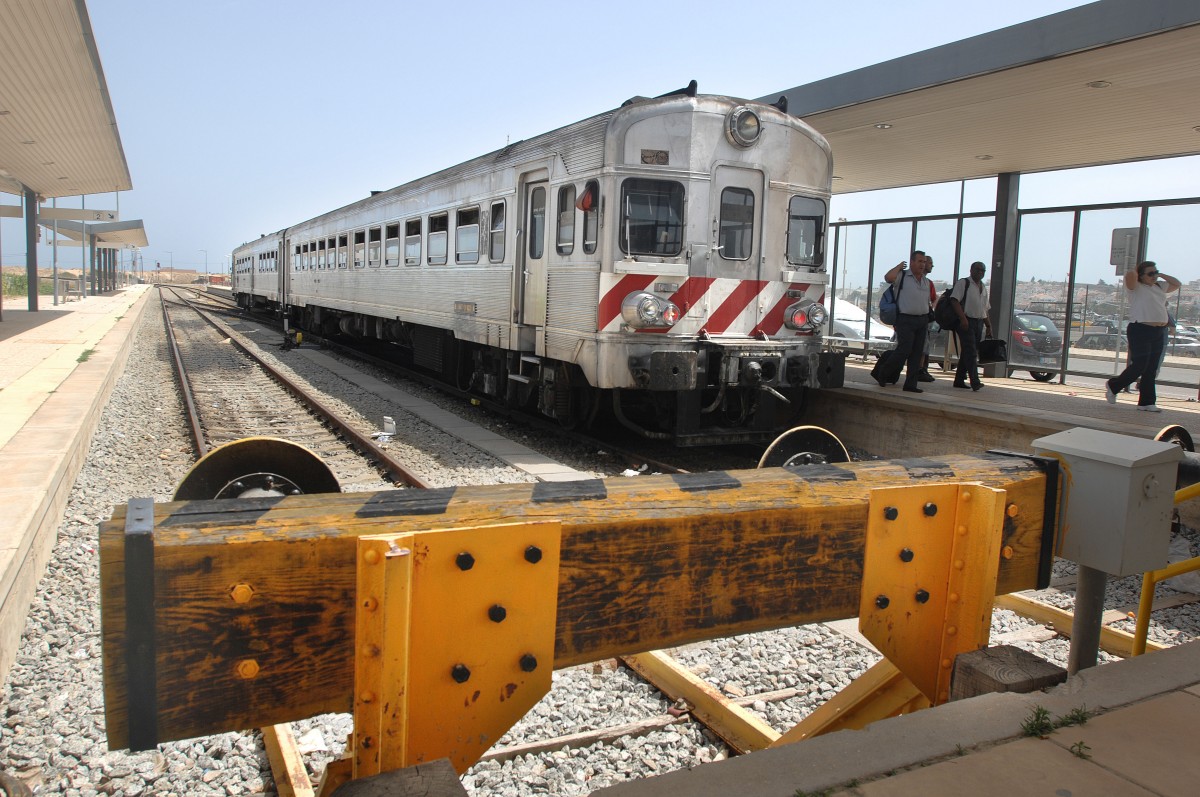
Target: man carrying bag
x: 913, y: 298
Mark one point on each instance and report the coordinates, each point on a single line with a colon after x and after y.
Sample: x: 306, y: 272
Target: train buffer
x: 437, y: 616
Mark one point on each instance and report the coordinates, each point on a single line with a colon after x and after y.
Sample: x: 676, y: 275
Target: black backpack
x: 943, y: 312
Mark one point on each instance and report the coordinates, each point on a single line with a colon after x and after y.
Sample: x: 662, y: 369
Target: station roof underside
x: 1018, y: 99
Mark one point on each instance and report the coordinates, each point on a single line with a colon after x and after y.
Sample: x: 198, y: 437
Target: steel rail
x: 185, y: 385
x: 395, y: 468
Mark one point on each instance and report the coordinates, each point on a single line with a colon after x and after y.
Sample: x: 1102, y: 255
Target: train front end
x: 711, y: 312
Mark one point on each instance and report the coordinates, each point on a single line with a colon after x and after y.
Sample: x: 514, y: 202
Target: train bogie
x: 664, y: 259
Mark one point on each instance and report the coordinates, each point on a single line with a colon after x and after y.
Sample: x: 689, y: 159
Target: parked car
x: 1036, y: 344
x: 1179, y: 346
x: 847, y: 328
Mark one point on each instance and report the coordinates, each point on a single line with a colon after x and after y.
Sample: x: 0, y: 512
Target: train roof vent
x: 689, y: 90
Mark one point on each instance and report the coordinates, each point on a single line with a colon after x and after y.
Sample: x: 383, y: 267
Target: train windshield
x: 651, y: 217
x: 805, y: 231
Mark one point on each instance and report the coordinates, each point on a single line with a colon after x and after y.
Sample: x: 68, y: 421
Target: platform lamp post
x: 205, y: 251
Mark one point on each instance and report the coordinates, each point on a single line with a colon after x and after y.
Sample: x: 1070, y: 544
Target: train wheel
x: 256, y: 467
x: 1178, y: 435
x: 804, y: 445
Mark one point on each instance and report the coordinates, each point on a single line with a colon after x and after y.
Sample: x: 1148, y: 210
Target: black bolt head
x: 528, y: 663
x: 882, y: 602
x: 891, y: 513
x: 922, y: 596
x: 906, y: 555
x: 460, y: 673
x: 497, y: 613
x: 533, y: 554
x: 930, y: 509
x: 464, y: 561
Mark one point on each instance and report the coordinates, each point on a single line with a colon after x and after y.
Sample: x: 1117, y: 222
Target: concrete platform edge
x: 19, y: 575
x: 961, y: 727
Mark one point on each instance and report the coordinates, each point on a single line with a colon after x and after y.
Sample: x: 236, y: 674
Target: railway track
x: 262, y: 400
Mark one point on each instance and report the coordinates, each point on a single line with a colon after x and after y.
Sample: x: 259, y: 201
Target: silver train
x: 662, y: 262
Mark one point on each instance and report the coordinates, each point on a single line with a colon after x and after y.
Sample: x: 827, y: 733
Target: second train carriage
x: 663, y: 260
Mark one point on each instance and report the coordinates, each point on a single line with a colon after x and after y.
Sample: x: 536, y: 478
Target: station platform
x: 57, y: 370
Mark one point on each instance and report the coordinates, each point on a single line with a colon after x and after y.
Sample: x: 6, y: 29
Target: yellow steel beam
x: 881, y: 692
x: 1112, y: 640
x: 454, y: 641
x: 933, y: 552
x: 741, y: 729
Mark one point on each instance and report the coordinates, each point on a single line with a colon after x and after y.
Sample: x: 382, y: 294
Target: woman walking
x: 1148, y: 289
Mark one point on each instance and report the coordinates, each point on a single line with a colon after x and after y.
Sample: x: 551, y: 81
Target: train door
x: 531, y: 254
x: 737, y: 265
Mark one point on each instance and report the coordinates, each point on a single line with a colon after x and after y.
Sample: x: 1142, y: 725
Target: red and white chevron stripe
x: 719, y: 306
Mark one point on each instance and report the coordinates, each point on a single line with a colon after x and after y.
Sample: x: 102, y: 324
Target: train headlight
x: 642, y: 310
x: 743, y: 126
x: 804, y: 314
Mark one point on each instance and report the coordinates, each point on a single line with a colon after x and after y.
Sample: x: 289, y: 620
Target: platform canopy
x: 58, y: 133
x: 1109, y: 82
x: 112, y: 235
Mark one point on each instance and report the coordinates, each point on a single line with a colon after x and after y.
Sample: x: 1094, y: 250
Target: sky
x: 242, y: 118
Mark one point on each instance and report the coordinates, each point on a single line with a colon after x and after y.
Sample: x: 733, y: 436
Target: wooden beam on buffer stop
x: 265, y: 611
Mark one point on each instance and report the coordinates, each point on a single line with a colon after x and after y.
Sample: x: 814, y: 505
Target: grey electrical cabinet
x: 1118, y: 494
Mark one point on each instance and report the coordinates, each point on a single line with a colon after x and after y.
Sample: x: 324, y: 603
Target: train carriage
x: 663, y: 262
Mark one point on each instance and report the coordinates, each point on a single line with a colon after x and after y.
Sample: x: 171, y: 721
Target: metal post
x: 31, y: 273
x: 54, y: 254
x: 1085, y: 627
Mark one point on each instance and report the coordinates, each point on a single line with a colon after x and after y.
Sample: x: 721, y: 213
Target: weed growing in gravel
x: 84, y: 357
x: 1076, y: 716
x: 1080, y: 749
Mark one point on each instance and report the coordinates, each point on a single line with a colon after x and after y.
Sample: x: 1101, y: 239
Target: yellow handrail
x: 1151, y: 578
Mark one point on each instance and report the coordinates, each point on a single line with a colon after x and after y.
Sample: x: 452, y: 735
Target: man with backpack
x: 912, y: 290
x: 969, y: 298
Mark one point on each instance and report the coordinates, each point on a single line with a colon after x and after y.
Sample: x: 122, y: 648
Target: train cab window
x: 735, y: 236
x: 565, y: 242
x: 496, y: 250
x: 651, y: 217
x: 466, y: 236
x: 342, y: 253
x: 438, y: 230
x: 805, y: 231
x: 391, y: 246
x: 412, y: 242
x: 589, y: 203
x: 537, y: 223
x: 360, y: 249
x: 374, y: 247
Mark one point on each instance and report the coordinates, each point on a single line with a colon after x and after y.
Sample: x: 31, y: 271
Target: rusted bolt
x: 1007, y: 552
x: 370, y: 604
x: 930, y: 509
x: 528, y: 662
x: 1012, y: 510
x: 891, y: 512
x: 370, y: 651
x: 906, y: 555
x: 882, y: 602
x: 246, y: 668
x: 951, y: 630
x: 497, y: 613
x: 371, y: 556
x: 460, y: 673
x: 464, y: 561
x: 922, y: 596
x: 965, y: 495
x: 241, y: 593
x: 367, y: 697
x: 533, y: 554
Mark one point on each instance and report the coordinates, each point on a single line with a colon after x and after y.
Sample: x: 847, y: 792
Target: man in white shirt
x: 914, y: 294
x: 970, y: 301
